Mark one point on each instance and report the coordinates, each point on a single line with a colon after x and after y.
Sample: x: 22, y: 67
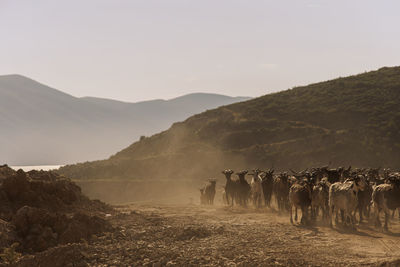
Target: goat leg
x: 291, y: 218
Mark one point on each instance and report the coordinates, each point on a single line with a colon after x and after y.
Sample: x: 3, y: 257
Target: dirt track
x: 158, y: 235
x: 226, y: 236
x: 191, y: 235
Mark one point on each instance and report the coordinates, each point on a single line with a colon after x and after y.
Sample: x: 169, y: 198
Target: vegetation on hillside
x: 353, y: 120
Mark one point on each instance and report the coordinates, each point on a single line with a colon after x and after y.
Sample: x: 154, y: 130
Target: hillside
x: 353, y: 120
x: 41, y: 125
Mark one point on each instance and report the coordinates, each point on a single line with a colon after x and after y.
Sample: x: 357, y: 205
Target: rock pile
x: 40, y: 209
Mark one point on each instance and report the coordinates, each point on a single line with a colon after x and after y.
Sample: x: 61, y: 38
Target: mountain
x: 346, y: 121
x: 41, y: 125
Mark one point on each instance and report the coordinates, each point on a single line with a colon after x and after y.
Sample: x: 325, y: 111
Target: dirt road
x: 182, y: 235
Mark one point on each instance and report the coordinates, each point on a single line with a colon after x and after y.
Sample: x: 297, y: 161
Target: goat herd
x: 338, y: 193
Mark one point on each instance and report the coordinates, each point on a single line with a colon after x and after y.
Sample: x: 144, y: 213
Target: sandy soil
x: 184, y: 235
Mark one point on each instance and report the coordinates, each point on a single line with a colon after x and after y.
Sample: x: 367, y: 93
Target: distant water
x: 38, y: 167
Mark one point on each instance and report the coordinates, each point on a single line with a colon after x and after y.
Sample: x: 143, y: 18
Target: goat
x: 209, y: 191
x: 386, y: 197
x: 243, y: 188
x: 320, y: 199
x: 364, y: 201
x: 300, y: 197
x: 257, y: 192
x: 343, y: 198
x: 267, y: 186
x: 230, y: 187
x: 281, y: 191
x: 334, y: 175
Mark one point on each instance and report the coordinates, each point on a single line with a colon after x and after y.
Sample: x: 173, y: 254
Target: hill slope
x: 353, y: 120
x: 41, y: 125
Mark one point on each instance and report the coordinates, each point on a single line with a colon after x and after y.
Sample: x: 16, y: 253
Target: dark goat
x: 364, y: 200
x: 334, y: 175
x: 317, y: 174
x: 281, y: 191
x: 267, y: 185
x: 300, y: 197
x: 230, y: 187
x: 373, y: 174
x: 346, y: 173
x: 243, y: 188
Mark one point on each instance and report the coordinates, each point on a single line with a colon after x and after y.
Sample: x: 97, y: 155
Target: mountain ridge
x: 43, y: 125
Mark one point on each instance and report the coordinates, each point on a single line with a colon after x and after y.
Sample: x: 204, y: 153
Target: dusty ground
x: 182, y: 235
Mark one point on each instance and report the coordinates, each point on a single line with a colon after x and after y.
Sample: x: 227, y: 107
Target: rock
x: 170, y: 263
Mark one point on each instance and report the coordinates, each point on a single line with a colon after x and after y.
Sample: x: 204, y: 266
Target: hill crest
x: 353, y: 120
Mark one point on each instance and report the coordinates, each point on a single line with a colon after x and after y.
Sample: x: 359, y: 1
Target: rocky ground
x: 191, y: 235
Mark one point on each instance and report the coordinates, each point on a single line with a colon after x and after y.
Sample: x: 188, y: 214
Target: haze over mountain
x: 42, y: 125
x: 347, y: 121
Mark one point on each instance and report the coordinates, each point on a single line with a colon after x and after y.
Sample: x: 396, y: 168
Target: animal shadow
x: 342, y: 229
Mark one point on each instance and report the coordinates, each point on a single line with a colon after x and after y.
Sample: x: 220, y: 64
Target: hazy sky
x: 138, y: 50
